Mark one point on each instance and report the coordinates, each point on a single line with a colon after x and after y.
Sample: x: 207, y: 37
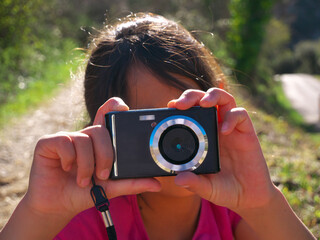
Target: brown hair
x: 163, y: 46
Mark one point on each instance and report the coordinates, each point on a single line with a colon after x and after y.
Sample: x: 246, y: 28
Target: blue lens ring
x: 195, y: 127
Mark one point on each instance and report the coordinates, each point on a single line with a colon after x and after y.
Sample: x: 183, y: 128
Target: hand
x: 244, y: 180
x: 64, y: 163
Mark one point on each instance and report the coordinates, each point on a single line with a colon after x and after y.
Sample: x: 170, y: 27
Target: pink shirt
x: 214, y: 223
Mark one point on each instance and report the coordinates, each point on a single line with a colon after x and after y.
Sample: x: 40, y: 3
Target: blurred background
x: 253, y: 40
x: 261, y: 44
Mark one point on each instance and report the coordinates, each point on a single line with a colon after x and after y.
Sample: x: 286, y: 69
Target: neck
x: 169, y: 217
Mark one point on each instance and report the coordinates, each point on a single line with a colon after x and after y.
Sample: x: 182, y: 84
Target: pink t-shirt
x: 214, y: 223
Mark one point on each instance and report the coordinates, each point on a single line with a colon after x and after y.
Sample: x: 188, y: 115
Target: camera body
x: 163, y: 142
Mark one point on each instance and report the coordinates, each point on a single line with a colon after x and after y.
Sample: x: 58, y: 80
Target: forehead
x: 147, y: 90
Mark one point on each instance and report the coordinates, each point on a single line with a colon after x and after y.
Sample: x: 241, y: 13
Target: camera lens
x: 178, y: 144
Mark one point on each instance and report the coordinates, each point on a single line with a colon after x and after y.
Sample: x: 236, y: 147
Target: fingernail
x: 225, y: 127
x: 104, y: 174
x: 172, y: 102
x: 68, y: 168
x: 85, y: 182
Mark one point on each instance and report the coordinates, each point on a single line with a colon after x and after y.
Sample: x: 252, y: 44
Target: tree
x: 245, y: 37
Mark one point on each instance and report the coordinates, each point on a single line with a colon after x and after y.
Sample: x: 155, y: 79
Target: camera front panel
x: 131, y: 132
x: 130, y: 138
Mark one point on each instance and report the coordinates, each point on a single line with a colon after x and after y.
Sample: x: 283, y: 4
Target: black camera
x: 163, y: 142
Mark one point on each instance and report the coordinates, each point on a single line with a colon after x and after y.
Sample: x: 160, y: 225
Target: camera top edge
x: 157, y: 109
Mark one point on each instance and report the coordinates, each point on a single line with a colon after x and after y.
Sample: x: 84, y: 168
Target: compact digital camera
x: 163, y: 142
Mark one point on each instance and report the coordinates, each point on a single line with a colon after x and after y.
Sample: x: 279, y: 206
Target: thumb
x: 198, y: 184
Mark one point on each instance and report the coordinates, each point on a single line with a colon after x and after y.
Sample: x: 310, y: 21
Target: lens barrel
x: 178, y: 143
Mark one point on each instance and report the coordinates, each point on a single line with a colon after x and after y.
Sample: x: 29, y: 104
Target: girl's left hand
x: 244, y: 180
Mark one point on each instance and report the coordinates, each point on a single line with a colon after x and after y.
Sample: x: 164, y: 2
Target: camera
x: 163, y: 142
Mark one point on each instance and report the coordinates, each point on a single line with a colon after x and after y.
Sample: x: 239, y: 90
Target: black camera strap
x: 101, y: 203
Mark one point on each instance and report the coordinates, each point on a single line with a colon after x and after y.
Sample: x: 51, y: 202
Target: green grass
x: 293, y: 157
x: 55, y: 74
x: 315, y: 138
x: 292, y: 152
x: 292, y: 115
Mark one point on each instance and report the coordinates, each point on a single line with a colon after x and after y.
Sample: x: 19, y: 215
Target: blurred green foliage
x: 252, y: 54
x: 17, y: 21
x: 307, y: 56
x: 276, y: 53
x: 28, y: 43
x: 36, y: 33
x: 305, y: 23
x: 245, y: 38
x: 235, y: 30
x: 277, y: 39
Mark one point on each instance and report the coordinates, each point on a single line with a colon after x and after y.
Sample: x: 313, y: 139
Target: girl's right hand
x: 64, y: 163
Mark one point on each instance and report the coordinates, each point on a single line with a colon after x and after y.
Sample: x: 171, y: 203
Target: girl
x: 147, y: 61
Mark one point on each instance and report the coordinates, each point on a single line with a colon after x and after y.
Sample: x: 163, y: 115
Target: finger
x: 198, y: 184
x: 115, y: 188
x: 113, y: 104
x: 188, y: 99
x: 102, y: 148
x: 85, y: 157
x: 57, y: 147
x: 217, y: 96
x: 237, y: 118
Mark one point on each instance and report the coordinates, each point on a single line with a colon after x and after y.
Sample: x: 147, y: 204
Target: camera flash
x: 146, y: 117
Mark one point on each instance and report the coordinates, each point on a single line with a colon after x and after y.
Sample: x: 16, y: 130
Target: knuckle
x: 103, y: 131
x: 42, y: 141
x: 242, y: 110
x: 188, y: 91
x: 213, y: 89
x: 62, y: 139
x: 84, y: 139
x: 96, y: 131
x: 239, y: 112
x: 192, y: 93
x: 212, y: 92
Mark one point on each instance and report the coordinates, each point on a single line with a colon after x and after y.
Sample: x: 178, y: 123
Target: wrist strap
x: 101, y: 203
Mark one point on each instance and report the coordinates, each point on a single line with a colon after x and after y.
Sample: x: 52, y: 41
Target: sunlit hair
x: 165, y: 47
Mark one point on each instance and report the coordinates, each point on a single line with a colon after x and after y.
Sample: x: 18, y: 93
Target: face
x: 146, y: 90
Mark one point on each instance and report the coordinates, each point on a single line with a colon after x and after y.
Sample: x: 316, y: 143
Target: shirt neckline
x: 140, y: 224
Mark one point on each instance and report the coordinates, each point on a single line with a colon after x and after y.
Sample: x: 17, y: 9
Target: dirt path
x: 303, y: 91
x: 17, y: 142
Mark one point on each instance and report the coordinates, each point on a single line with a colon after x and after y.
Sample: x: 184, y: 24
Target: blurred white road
x: 303, y: 91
